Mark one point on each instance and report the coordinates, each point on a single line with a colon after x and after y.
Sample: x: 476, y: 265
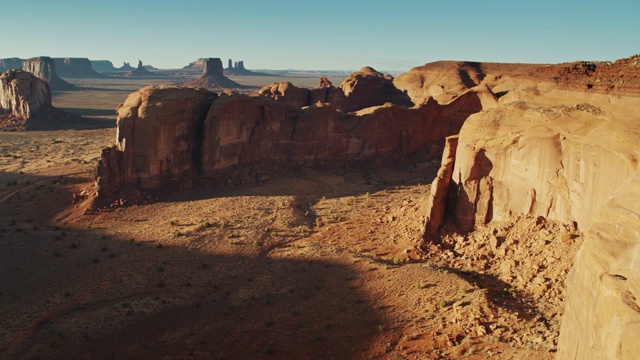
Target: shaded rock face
x: 9, y: 64
x: 439, y: 194
x: 213, y: 78
x: 45, y: 68
x: 212, y: 67
x: 159, y: 140
x: 75, y: 68
x: 103, y: 66
x: 22, y: 94
x: 157, y: 132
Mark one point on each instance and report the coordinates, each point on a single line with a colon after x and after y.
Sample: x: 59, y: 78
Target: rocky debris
x: 76, y: 68
x: 213, y: 77
x: 9, y: 64
x: 522, y: 264
x: 44, y: 67
x: 140, y: 71
x: 25, y: 103
x: 243, y: 130
x: 103, y: 66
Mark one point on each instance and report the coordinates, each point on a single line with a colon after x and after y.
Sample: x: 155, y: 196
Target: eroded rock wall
x: 76, y: 68
x: 22, y: 94
x: 44, y: 68
x: 576, y: 164
x: 165, y: 132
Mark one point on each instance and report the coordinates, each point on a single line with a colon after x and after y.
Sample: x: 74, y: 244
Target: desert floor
x: 312, y: 263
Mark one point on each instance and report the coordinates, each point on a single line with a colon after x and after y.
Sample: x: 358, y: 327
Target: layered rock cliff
x: 76, y: 68
x: 10, y: 64
x: 559, y: 149
x: 44, y: 67
x: 237, y: 130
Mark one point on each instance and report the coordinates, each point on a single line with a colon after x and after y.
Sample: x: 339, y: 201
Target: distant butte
x: 213, y: 77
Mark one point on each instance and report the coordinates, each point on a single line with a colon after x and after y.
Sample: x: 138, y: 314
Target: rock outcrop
x: 25, y: 103
x: 103, y: 66
x: 362, y: 89
x: 213, y: 77
x: 45, y: 68
x: 237, y: 68
x: 559, y: 149
x: 241, y: 130
x: 367, y: 87
x: 76, y: 68
x: 126, y: 67
x: 140, y: 71
x: 158, y: 137
x: 9, y: 64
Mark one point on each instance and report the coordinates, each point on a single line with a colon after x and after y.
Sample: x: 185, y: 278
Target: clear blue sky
x: 321, y: 34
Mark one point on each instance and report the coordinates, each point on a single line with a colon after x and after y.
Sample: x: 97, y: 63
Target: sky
x: 321, y: 34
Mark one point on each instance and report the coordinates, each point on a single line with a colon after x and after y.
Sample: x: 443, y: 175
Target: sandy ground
x: 318, y: 264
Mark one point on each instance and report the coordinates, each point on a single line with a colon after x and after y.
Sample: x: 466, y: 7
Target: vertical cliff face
x: 576, y: 164
x: 76, y: 68
x: 22, y: 94
x: 157, y: 129
x: 164, y: 132
x: 10, y: 64
x: 44, y: 68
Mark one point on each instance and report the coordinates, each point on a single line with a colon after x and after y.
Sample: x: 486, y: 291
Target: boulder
x: 45, y: 68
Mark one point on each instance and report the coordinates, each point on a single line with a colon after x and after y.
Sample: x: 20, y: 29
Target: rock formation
x: 103, y: 66
x: 45, y: 68
x: 241, y: 130
x: 76, y: 68
x: 558, y: 148
x: 25, y: 103
x: 126, y: 67
x: 359, y: 90
x: 237, y: 68
x: 367, y: 87
x: 9, y: 64
x: 213, y: 77
x: 140, y: 71
x: 197, y: 65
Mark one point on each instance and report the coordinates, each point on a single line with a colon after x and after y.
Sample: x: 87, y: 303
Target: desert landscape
x: 335, y: 180
x: 452, y: 212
